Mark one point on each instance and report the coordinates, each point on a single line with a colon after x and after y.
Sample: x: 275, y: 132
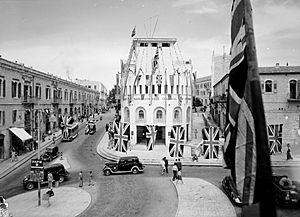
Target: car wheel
x: 61, y: 179
x: 107, y: 172
x: 135, y: 170
x: 29, y: 186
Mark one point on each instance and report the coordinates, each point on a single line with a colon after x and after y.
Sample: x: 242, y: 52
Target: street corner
x: 197, y: 197
x: 67, y: 201
x: 63, y: 161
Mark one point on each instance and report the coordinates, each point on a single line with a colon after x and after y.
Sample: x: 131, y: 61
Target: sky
x: 88, y: 38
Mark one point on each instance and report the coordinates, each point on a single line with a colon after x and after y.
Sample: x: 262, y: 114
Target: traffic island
x: 67, y: 201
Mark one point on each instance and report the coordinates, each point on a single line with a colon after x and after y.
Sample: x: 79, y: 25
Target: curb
x: 176, y: 215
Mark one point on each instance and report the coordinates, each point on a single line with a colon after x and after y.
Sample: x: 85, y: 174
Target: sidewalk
x: 66, y: 202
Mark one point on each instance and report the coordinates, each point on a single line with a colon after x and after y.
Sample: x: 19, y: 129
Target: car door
x: 122, y: 165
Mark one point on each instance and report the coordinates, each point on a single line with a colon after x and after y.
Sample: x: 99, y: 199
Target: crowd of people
x: 176, y: 169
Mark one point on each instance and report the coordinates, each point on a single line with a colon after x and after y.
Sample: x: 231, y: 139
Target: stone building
x: 280, y: 87
x: 156, y: 90
x: 26, y: 92
x: 203, y: 89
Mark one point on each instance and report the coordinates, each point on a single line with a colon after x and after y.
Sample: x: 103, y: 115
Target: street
x: 147, y: 194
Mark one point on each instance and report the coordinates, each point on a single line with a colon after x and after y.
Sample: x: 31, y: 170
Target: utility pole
x: 39, y: 181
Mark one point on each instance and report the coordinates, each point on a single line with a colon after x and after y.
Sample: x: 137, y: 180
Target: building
x: 281, y: 97
x: 98, y: 86
x: 156, y: 90
x: 203, y: 89
x: 25, y: 93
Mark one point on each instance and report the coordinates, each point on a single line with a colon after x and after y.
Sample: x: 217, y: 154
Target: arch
x: 268, y: 86
x: 159, y: 115
x: 141, y: 114
x: 126, y: 114
x: 177, y: 114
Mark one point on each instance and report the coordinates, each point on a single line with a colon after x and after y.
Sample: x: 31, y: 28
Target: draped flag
x: 133, y: 32
x: 171, y: 80
x: 137, y: 80
x: 155, y: 60
x: 66, y: 121
x: 210, y: 143
x: 246, y: 150
x: 176, y: 145
x: 158, y: 79
x: 121, y: 136
x: 151, y: 135
x: 275, y: 138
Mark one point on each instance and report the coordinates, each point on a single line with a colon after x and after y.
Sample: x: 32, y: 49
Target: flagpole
x: 267, y: 205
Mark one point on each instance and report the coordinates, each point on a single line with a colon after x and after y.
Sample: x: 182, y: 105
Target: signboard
x: 37, y: 164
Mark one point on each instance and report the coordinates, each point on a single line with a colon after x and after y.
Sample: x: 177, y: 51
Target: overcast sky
x: 89, y: 37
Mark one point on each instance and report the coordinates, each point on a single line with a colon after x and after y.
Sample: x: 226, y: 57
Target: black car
x: 130, y: 164
x: 58, y: 171
x: 286, y: 190
x: 231, y: 191
x: 50, y: 153
x: 91, y: 127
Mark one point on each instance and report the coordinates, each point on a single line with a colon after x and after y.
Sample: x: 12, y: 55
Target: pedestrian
x: 163, y: 166
x: 13, y: 155
x: 175, y: 171
x: 47, y: 196
x: 106, y: 127
x: 179, y: 177
x: 53, y: 139
x: 179, y: 165
x: 50, y: 180
x: 288, y: 153
x: 166, y: 164
x: 80, y: 179
x: 91, y: 179
x: 56, y: 179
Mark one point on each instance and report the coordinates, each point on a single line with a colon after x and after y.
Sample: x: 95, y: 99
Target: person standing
x: 13, y: 155
x: 179, y: 177
x: 288, y: 153
x: 80, y: 179
x: 179, y: 165
x: 53, y: 139
x: 91, y: 179
x: 175, y: 171
x: 163, y: 166
x: 166, y: 164
x: 50, y: 180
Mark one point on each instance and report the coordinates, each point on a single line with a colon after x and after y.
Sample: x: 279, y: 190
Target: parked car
x: 231, y: 191
x: 58, y: 171
x: 286, y: 190
x: 129, y: 164
x: 50, y: 153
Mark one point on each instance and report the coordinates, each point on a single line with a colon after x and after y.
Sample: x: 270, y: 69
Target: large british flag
x: 151, y: 135
x: 210, y: 137
x: 176, y: 145
x: 121, y: 136
x: 275, y: 138
x: 66, y: 121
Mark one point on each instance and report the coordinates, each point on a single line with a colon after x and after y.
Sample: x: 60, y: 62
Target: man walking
x: 163, y: 166
x: 175, y: 171
x: 166, y: 164
x: 179, y: 165
x: 80, y: 179
x: 50, y: 180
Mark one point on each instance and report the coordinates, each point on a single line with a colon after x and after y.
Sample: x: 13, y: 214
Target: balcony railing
x: 29, y: 100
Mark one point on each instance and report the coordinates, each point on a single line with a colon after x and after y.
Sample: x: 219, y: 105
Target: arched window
x: 268, y: 86
x: 141, y: 114
x: 176, y: 115
x: 293, y: 89
x: 159, y: 114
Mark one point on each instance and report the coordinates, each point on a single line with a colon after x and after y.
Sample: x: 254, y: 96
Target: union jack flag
x: 121, y: 136
x: 275, y: 138
x: 66, y: 121
x: 176, y: 145
x: 210, y: 142
x: 151, y: 135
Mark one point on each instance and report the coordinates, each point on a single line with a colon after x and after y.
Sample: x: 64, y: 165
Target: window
x: 38, y: 91
x: 14, y: 89
x: 159, y: 114
x: 95, y: 87
x: 66, y: 94
x: 140, y: 89
x: 165, y: 44
x: 176, y: 115
x: 146, y: 89
x: 177, y: 89
x: 172, y: 89
x: 268, y: 86
x: 48, y: 93
x: 293, y: 87
x: 134, y: 89
x: 2, y: 87
x: 2, y: 118
x: 142, y: 44
x: 14, y: 116
x: 153, y: 88
x: 166, y: 88
x: 159, y: 89
x: 20, y: 89
x: 141, y: 114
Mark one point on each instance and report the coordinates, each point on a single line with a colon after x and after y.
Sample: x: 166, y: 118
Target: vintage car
x: 50, y: 153
x: 90, y: 127
x: 231, y: 191
x: 58, y: 171
x: 286, y: 190
x: 129, y: 164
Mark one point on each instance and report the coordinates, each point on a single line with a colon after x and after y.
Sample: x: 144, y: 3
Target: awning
x: 21, y: 133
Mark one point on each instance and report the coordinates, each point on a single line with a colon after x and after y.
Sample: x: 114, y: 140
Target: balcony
x: 29, y: 100
x: 56, y: 101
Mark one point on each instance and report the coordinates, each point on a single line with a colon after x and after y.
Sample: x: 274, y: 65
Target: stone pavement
x: 197, y: 197
x: 66, y: 202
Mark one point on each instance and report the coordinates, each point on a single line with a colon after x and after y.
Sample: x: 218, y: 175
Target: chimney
x: 277, y: 64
